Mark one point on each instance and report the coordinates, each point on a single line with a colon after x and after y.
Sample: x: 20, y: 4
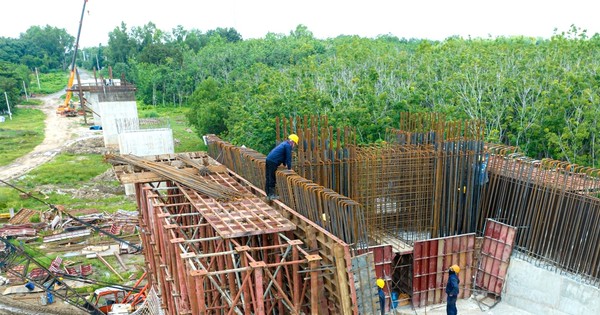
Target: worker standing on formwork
x: 281, y: 154
x: 452, y: 289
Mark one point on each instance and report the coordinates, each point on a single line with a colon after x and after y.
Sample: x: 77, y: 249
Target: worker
x: 381, y: 284
x: 281, y: 154
x: 452, y: 289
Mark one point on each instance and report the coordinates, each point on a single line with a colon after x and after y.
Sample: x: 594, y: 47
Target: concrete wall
x: 110, y: 112
x: 92, y: 99
x: 541, y: 291
x: 147, y: 142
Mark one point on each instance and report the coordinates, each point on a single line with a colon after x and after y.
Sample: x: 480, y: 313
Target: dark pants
x: 451, y: 306
x: 270, y: 179
x: 381, y: 300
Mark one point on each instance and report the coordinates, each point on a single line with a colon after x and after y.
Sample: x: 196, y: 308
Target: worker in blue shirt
x: 381, y: 283
x: 281, y: 154
x: 452, y: 289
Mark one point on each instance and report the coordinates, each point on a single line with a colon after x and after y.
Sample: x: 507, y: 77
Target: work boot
x: 272, y: 197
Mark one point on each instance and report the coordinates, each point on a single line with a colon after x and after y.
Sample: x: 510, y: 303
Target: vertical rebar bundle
x: 554, y: 205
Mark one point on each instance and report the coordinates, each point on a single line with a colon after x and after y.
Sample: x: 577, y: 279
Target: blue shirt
x: 452, y: 286
x: 282, y: 154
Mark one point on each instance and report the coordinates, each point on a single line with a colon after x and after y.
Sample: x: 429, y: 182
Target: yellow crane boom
x: 67, y: 109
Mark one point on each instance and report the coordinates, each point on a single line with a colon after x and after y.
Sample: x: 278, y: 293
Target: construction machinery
x: 68, y: 108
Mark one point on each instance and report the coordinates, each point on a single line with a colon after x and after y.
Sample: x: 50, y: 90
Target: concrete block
x: 532, y: 284
x: 541, y: 291
x: 577, y: 298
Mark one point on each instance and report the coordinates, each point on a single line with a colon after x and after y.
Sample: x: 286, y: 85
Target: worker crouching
x: 281, y: 154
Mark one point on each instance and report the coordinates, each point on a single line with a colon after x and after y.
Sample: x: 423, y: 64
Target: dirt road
x: 60, y: 132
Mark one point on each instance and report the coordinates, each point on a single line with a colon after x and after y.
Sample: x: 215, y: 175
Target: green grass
x: 21, y: 134
x: 65, y: 171
x: 31, y: 102
x: 50, y: 82
x: 188, y: 141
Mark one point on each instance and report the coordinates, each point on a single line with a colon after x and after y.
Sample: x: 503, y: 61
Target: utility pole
x: 38, y: 78
x: 8, y: 106
x: 25, y: 88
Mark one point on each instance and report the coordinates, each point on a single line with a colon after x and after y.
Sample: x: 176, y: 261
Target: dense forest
x: 539, y: 94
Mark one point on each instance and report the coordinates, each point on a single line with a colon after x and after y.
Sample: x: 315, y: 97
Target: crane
x: 68, y: 109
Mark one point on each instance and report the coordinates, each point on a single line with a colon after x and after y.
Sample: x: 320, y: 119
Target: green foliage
x: 35, y: 218
x: 47, y: 48
x: 34, y: 102
x: 50, y: 82
x: 540, y: 95
x: 150, y: 114
x: 21, y: 134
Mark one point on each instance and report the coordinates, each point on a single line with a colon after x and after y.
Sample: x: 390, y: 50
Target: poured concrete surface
x: 542, y: 291
x: 467, y: 306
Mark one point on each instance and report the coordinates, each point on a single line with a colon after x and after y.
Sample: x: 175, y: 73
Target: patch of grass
x: 31, y: 102
x: 35, y: 219
x: 66, y: 169
x: 21, y: 134
x: 189, y: 141
x: 50, y: 82
x: 151, y: 114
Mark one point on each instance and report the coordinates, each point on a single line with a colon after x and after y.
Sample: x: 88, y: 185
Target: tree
x: 120, y: 46
x: 48, y: 47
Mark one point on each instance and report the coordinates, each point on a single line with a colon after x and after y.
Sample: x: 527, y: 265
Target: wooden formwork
x: 200, y: 269
x: 195, y: 245
x: 338, y: 280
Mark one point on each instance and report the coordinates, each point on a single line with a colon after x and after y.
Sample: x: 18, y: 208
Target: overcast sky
x: 432, y: 19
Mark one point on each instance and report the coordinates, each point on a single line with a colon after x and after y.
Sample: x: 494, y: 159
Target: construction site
x: 352, y: 223
x: 432, y: 194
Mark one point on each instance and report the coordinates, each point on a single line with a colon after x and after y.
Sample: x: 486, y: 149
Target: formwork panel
x: 245, y: 217
x: 498, y: 242
x: 431, y: 260
x: 382, y: 257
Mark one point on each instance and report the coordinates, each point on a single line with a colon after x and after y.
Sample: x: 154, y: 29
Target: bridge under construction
x: 432, y: 195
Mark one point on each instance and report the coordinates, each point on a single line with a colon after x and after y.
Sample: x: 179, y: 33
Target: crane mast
x: 67, y: 108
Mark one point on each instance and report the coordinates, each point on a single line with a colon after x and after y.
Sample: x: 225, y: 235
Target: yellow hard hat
x: 380, y: 283
x: 455, y: 268
x: 294, y: 138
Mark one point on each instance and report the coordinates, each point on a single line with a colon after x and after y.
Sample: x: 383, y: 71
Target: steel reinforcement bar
x: 553, y: 204
x: 336, y: 213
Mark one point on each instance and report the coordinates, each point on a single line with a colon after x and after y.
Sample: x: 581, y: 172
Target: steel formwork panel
x: 431, y: 260
x: 245, y: 217
x: 199, y: 272
x: 498, y: 242
x: 382, y: 258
